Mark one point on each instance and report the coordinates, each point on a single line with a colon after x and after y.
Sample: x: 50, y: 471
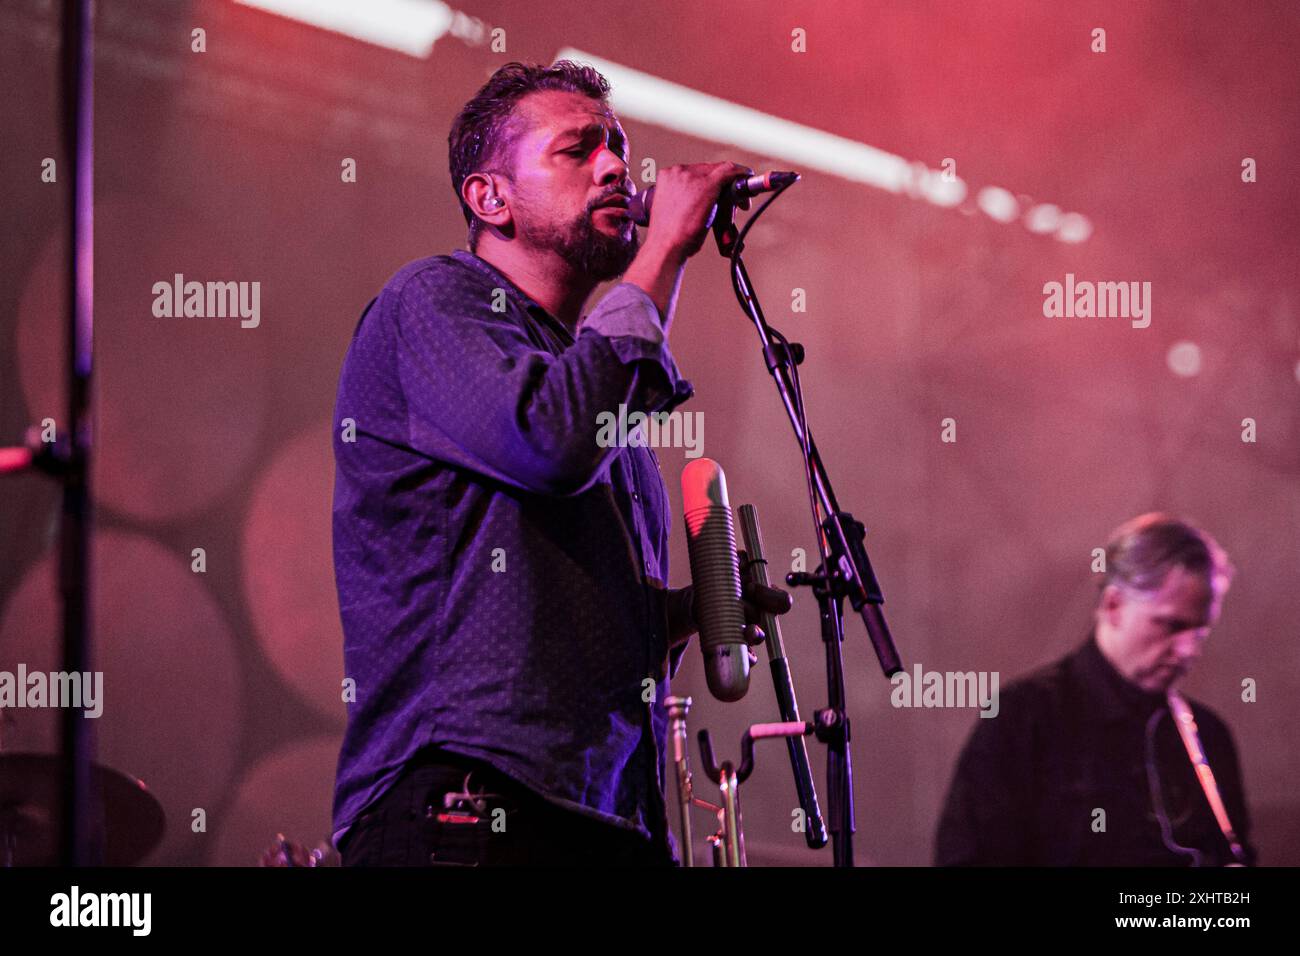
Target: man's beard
x: 585, y: 247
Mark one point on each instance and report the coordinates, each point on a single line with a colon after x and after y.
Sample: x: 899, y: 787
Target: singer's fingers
x: 727, y: 172
x: 744, y: 203
x: 754, y: 635
x: 769, y: 599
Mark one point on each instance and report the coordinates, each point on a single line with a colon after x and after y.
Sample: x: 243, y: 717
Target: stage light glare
x: 997, y: 203
x: 648, y: 98
x: 1075, y: 227
x: 943, y: 192
x: 1184, y: 359
x: 642, y: 96
x: 1043, y: 218
x: 407, y: 26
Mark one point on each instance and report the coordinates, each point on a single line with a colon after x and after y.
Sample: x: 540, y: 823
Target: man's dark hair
x: 485, y: 132
x: 1144, y: 550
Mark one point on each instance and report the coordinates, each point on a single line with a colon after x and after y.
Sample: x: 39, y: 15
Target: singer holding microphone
x: 502, y: 577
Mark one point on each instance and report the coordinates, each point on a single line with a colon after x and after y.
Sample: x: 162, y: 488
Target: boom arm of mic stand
x: 846, y: 536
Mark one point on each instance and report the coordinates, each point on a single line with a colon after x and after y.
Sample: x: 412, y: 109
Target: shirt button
x: 636, y: 496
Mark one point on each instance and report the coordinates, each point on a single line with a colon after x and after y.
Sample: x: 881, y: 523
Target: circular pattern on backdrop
x: 288, y: 570
x: 289, y: 791
x: 180, y: 402
x: 1184, y: 359
x: 170, y: 691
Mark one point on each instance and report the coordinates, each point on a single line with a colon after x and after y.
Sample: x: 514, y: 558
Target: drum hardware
x: 126, y: 821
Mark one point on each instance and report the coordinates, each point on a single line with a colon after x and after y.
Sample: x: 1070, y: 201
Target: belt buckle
x: 465, y: 806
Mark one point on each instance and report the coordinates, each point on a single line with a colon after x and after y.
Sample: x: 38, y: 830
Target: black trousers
x: 413, y: 825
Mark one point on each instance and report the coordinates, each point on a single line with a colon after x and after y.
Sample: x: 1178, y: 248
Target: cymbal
x: 127, y: 820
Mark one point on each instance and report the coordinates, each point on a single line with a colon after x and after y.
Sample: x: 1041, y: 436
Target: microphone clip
x: 724, y: 228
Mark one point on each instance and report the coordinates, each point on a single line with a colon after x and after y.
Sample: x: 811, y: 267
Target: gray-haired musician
x: 1085, y: 764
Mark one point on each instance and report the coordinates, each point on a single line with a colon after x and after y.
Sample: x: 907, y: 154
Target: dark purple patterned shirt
x: 501, y: 577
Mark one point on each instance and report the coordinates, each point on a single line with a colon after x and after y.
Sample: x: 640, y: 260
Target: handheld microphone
x: 638, y: 208
x: 715, y: 575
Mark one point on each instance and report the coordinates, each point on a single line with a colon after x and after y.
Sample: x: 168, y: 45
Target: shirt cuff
x: 628, y: 318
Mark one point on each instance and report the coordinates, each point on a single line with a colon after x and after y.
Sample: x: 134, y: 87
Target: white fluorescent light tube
x: 407, y: 26
x: 653, y: 100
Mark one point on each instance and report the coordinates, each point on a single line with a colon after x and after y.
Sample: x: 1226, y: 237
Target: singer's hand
x: 685, y: 202
x: 758, y: 600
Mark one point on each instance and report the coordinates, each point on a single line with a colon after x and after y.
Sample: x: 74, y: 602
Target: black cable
x: 1157, y: 799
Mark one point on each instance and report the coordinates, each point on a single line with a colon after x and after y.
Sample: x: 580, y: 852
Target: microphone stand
x: 845, y: 571
x: 68, y: 458
x: 754, y: 569
x: 80, y: 846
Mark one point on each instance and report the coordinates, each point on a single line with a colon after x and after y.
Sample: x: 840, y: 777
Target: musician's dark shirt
x: 501, y: 576
x: 1071, y: 739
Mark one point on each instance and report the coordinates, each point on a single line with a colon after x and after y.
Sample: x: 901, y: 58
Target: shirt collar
x: 485, y: 268
x: 1109, y: 692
